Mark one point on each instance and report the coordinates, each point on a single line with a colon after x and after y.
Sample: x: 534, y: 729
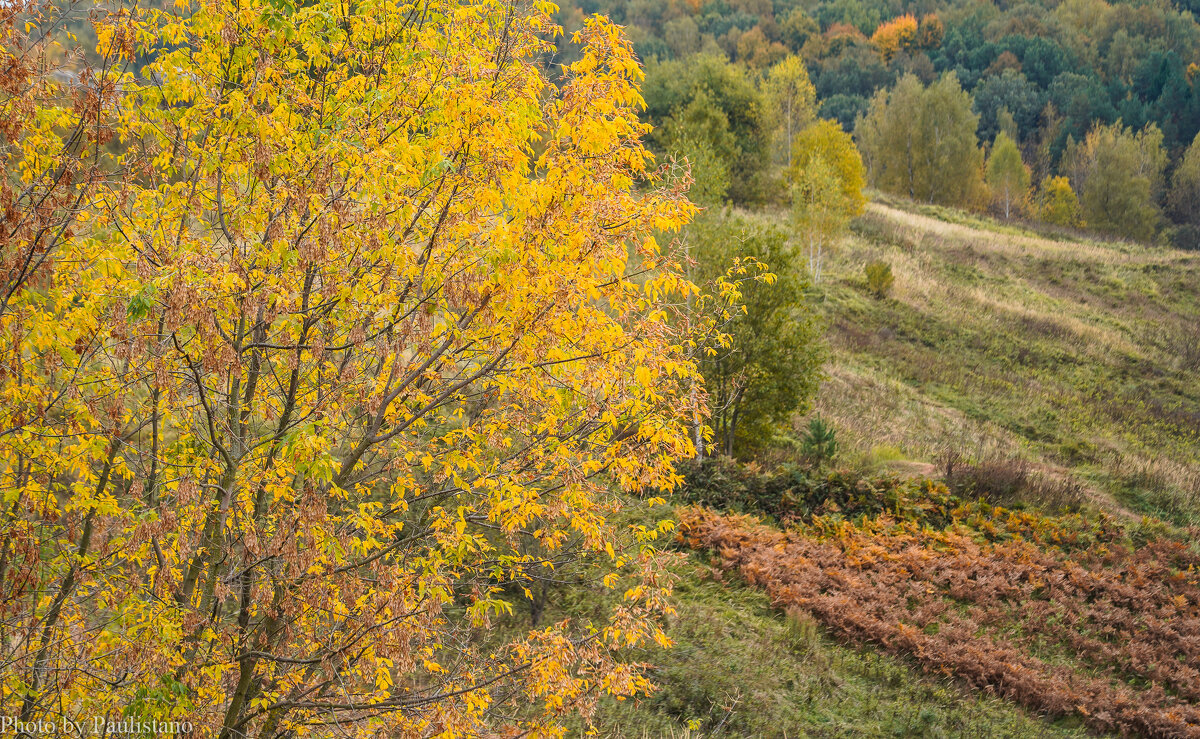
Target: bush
x: 1185, y: 236
x: 791, y: 492
x: 1007, y: 481
x: 879, y: 278
x: 819, y: 443
x: 998, y: 479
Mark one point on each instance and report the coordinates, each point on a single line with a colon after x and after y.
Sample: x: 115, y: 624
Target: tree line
x: 1048, y: 76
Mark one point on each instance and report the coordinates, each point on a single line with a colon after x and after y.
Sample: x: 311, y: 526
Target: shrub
x: 1185, y: 236
x: 791, y: 492
x: 879, y: 278
x: 999, y: 479
x: 1008, y: 481
x: 819, y: 443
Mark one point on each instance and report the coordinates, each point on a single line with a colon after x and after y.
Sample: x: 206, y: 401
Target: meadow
x: 1067, y: 365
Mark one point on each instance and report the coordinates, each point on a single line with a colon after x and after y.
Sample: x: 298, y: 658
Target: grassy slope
x: 1081, y: 356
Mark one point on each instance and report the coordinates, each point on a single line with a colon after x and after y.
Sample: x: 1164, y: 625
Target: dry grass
x: 917, y: 228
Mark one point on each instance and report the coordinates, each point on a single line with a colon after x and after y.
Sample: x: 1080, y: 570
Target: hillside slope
x: 1046, y: 372
x: 1069, y: 366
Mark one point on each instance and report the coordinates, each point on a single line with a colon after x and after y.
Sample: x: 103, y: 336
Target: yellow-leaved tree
x: 370, y: 341
x: 827, y: 179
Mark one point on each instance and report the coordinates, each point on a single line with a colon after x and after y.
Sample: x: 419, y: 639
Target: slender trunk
x: 789, y: 133
x: 68, y: 587
x: 733, y: 419
x: 697, y: 426
x: 151, y: 486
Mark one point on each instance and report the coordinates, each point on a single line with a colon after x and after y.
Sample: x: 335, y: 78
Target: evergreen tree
x: 819, y: 443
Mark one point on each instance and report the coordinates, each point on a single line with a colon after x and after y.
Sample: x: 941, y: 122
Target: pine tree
x: 819, y: 442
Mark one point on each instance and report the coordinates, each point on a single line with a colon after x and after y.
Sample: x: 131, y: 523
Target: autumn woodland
x: 624, y: 368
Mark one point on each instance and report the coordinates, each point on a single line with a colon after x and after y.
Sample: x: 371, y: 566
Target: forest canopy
x: 1047, y: 73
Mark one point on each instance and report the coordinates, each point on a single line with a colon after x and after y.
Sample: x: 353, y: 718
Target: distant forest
x: 1047, y: 73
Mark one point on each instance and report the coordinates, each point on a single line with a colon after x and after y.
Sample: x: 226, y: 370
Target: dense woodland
x: 1103, y: 94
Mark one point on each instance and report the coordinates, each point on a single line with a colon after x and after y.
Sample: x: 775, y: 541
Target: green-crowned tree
x: 920, y: 141
x: 771, y: 368
x: 1184, y: 197
x: 682, y: 36
x: 818, y: 444
x: 797, y: 27
x: 699, y: 135
x: 678, y: 88
x: 1008, y: 124
x: 1008, y: 91
x: 1007, y: 175
x: 1118, y: 173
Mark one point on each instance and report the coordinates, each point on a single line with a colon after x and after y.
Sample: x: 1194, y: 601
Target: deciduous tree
x: 1007, y: 175
x: 826, y: 179
x: 898, y: 34
x: 1058, y: 204
x: 1119, y: 174
x: 1184, y: 197
x: 920, y: 142
x: 374, y: 340
x: 770, y: 368
x: 793, y: 100
x: 671, y: 86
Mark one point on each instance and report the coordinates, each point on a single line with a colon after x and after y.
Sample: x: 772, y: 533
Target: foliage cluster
x: 826, y: 177
x: 798, y: 492
x: 329, y: 332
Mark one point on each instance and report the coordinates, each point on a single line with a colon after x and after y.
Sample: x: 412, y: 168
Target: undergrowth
x: 1080, y: 616
x: 740, y: 668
